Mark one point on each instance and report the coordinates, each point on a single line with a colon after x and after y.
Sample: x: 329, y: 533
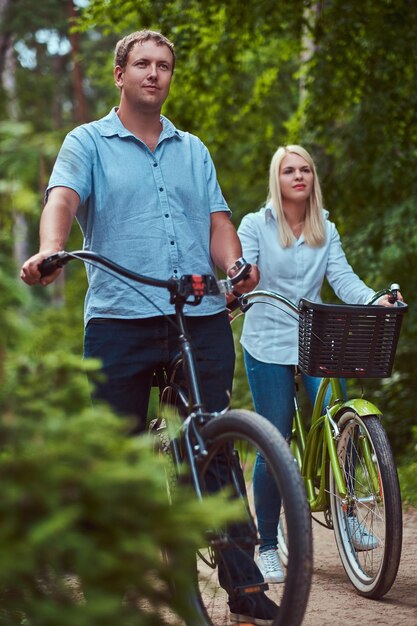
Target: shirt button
x: 161, y: 188
x: 175, y: 271
x: 172, y: 243
x: 166, y: 214
x: 155, y: 164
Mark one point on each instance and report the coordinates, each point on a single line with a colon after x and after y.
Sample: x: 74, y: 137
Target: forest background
x: 338, y: 77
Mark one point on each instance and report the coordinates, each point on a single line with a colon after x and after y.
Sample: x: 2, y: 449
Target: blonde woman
x: 296, y: 247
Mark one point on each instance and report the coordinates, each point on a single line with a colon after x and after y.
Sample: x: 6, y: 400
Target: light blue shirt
x: 148, y: 211
x: 271, y: 335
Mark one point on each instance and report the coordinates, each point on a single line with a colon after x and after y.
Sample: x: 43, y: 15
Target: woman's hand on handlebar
x: 30, y: 273
x: 386, y: 300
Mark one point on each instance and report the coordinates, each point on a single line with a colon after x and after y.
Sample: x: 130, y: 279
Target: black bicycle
x: 219, y: 452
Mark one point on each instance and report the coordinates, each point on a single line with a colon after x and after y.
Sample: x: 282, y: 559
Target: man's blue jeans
x: 272, y: 388
x: 131, y: 349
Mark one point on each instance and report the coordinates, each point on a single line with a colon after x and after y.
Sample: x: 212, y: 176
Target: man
x: 146, y: 195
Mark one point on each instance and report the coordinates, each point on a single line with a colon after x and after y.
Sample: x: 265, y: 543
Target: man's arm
x: 55, y: 227
x: 225, y: 249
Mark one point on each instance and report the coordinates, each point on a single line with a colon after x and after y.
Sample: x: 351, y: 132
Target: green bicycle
x: 345, y: 456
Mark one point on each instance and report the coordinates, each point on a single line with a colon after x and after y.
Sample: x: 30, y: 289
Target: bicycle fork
x: 337, y: 418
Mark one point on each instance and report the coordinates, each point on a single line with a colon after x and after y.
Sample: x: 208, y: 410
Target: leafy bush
x: 84, y: 509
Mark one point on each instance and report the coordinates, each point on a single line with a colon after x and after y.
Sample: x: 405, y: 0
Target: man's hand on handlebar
x: 248, y: 283
x: 30, y: 273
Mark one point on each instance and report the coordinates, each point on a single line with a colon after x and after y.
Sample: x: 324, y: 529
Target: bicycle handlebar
x: 188, y: 285
x: 392, y: 293
x: 244, y: 301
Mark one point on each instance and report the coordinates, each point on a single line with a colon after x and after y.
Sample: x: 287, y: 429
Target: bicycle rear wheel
x: 233, y: 440
x: 368, y: 523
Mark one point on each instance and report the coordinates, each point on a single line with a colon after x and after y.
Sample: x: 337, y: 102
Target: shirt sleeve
x: 249, y: 239
x: 346, y: 284
x: 216, y: 199
x: 74, y: 164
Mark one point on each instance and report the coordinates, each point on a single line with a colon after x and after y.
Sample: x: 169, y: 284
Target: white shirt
x: 271, y: 335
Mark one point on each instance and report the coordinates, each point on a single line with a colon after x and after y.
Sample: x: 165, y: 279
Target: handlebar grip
x: 233, y: 305
x: 49, y: 265
x: 393, y: 297
x: 239, y: 303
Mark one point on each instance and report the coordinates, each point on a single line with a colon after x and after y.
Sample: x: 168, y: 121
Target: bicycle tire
x: 371, y: 561
x: 249, y: 433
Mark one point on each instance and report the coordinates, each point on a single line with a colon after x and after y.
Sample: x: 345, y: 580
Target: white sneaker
x: 362, y: 539
x: 270, y: 566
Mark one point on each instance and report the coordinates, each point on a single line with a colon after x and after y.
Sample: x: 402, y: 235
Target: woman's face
x: 296, y: 178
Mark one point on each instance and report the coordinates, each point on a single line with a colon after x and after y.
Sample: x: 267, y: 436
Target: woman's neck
x: 295, y: 213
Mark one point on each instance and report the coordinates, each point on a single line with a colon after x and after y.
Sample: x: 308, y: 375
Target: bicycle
x: 345, y: 456
x: 218, y: 451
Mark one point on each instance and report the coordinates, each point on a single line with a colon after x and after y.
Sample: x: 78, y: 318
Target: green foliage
x: 86, y: 517
x: 12, y: 296
x: 25, y: 157
x: 408, y: 472
x: 48, y: 14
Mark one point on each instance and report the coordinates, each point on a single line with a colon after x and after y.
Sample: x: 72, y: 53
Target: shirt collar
x: 111, y: 125
x: 268, y: 212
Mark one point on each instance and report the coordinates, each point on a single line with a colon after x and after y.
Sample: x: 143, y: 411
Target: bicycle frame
x: 316, y: 448
x: 344, y: 455
x: 196, y: 416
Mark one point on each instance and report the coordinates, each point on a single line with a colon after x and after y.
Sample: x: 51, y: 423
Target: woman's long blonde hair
x: 314, y: 228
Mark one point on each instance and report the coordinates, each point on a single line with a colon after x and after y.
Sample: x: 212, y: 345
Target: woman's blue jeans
x: 272, y: 388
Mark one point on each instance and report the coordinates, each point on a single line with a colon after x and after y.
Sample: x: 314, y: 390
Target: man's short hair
x: 124, y: 46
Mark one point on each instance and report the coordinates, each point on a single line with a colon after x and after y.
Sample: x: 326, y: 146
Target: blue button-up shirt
x: 148, y: 211
x: 269, y: 334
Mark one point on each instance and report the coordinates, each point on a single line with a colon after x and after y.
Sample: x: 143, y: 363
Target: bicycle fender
x: 360, y: 406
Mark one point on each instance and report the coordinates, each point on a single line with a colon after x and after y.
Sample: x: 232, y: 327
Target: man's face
x: 146, y: 79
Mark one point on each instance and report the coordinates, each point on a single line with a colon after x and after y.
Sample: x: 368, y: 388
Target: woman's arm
x: 345, y: 282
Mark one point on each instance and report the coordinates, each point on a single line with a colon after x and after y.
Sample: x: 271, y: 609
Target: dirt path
x: 333, y: 601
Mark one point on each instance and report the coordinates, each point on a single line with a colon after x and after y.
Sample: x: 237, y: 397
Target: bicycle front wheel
x: 368, y: 522
x: 234, y: 442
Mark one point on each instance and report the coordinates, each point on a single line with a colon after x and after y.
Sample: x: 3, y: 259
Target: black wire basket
x: 348, y: 340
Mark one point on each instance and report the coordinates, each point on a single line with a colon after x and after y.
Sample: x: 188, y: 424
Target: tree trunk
x: 308, y: 45
x: 8, y: 81
x: 80, y: 103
